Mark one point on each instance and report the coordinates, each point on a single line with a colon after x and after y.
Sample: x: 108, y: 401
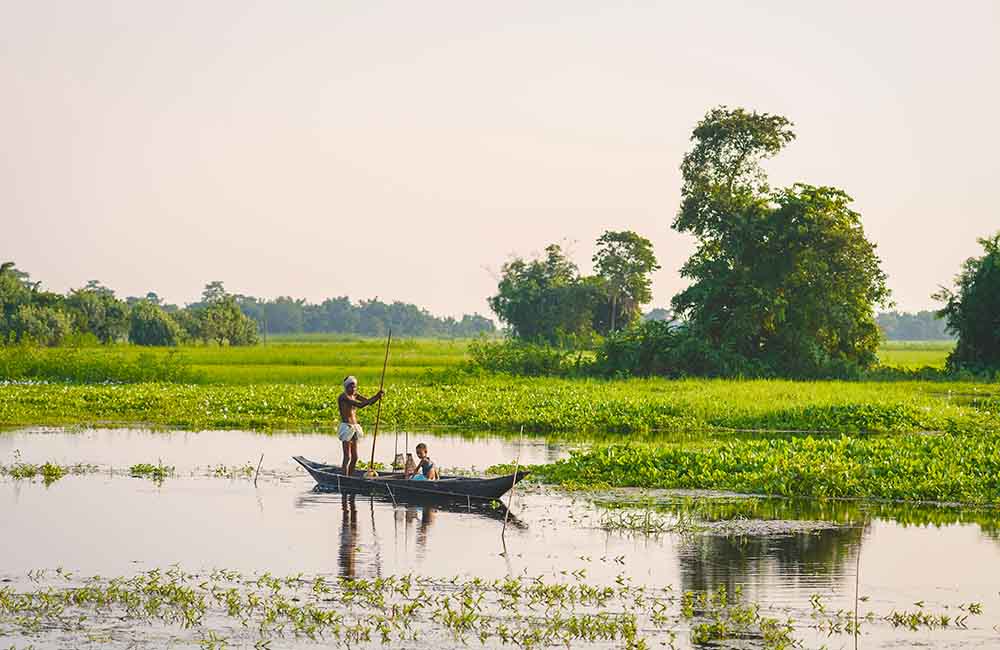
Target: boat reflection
x: 363, y: 529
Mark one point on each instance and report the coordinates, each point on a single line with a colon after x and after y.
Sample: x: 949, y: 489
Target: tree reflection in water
x: 741, y: 553
x: 709, y: 561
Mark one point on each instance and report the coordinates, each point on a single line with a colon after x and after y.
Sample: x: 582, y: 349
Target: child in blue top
x: 426, y: 470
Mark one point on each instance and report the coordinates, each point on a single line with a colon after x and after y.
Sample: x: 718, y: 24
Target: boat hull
x: 396, y: 486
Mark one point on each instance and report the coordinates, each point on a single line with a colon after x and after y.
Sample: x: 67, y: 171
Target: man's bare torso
x: 348, y: 407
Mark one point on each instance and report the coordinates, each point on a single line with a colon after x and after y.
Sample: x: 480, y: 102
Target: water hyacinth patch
x: 225, y: 608
x: 540, y: 406
x: 909, y: 467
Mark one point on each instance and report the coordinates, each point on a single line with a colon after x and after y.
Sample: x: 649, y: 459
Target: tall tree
x: 784, y: 277
x: 213, y: 292
x: 973, y: 311
x: 625, y: 260
x: 544, y: 299
x: 224, y: 322
x: 150, y: 325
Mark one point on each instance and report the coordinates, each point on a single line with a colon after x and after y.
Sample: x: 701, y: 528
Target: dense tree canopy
x: 29, y: 314
x: 150, y: 325
x: 95, y: 309
x: 973, y: 310
x: 222, y: 321
x: 547, y: 300
x: 544, y: 299
x: 782, y: 278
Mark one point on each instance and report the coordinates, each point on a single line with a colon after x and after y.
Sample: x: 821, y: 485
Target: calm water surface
x: 780, y: 553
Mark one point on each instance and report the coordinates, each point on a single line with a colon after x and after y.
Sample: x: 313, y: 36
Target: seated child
x: 426, y: 470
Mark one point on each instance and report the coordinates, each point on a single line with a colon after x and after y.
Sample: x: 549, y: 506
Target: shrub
x: 522, y: 358
x: 660, y: 348
x: 25, y: 361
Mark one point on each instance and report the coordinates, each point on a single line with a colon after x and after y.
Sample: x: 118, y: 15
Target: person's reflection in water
x: 421, y: 517
x: 348, y: 537
x: 426, y: 519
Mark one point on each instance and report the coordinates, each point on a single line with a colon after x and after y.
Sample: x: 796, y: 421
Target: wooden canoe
x: 396, y: 486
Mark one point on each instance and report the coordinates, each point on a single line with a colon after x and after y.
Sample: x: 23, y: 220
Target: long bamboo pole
x: 378, y: 413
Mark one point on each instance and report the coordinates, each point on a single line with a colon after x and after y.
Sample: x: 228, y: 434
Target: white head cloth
x: 350, y: 380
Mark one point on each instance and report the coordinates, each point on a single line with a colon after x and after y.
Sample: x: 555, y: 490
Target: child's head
x: 421, y: 450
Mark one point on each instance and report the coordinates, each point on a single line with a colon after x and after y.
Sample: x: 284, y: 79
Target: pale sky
x: 406, y: 150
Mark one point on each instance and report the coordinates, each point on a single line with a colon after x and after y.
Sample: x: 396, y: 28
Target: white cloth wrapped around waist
x: 347, y: 431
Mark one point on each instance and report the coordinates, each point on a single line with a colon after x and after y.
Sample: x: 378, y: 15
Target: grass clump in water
x: 233, y: 472
x: 156, y: 473
x: 49, y: 472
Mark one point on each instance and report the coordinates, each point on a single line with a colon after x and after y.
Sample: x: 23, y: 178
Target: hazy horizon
x: 406, y: 151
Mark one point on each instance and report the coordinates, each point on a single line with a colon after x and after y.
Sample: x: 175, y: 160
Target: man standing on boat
x: 349, y: 430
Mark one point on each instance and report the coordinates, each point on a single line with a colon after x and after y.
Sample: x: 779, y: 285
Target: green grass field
x: 327, y: 359
x: 915, y: 354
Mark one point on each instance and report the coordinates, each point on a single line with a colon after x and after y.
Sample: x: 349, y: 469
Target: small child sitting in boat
x: 425, y: 470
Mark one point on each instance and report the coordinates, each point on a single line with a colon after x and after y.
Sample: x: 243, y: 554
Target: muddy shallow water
x: 786, y: 556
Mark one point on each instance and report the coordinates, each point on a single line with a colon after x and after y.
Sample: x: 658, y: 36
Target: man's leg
x: 354, y: 455
x: 347, y: 458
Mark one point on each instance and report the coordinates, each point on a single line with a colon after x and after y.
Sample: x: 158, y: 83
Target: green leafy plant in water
x: 155, y: 473
x: 48, y: 471
x: 233, y: 472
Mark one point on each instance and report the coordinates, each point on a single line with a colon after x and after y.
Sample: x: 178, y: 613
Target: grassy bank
x: 294, y: 362
x: 540, y: 406
x: 317, y: 360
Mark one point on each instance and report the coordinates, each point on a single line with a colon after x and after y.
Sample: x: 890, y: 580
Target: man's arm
x: 360, y: 401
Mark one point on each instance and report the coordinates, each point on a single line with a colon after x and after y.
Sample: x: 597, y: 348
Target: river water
x: 794, y: 559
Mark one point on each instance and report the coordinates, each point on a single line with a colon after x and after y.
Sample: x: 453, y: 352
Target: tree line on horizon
x: 923, y: 325
x: 94, y: 314
x: 783, y: 282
